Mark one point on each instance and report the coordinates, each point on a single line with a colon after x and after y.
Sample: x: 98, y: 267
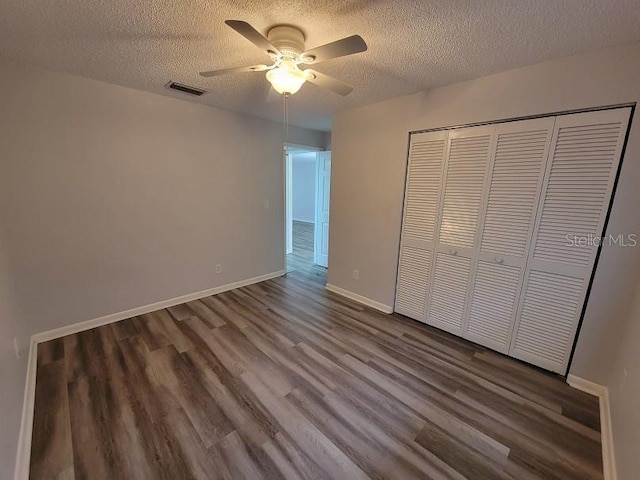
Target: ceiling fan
x: 285, y: 45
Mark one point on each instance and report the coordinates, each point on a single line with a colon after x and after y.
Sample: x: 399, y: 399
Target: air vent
x: 186, y: 89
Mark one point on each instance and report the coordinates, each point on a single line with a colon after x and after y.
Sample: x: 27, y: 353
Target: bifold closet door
x: 456, y: 232
x: 499, y: 225
x: 517, y: 168
x: 422, y: 200
x: 585, y: 154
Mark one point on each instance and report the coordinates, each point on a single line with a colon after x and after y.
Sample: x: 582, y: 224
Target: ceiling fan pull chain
x: 286, y: 117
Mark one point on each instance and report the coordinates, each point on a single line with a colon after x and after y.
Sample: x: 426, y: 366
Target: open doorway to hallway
x: 307, y: 207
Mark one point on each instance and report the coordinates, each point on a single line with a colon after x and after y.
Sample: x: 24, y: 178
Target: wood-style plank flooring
x: 283, y: 379
x: 302, y: 255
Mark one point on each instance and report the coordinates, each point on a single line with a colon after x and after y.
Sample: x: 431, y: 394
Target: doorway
x: 307, y: 207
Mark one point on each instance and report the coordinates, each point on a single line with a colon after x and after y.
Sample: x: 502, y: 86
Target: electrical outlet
x: 355, y: 274
x: 16, y: 347
x: 218, y: 268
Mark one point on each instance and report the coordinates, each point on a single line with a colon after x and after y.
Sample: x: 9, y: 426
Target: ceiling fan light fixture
x: 285, y: 45
x: 286, y: 79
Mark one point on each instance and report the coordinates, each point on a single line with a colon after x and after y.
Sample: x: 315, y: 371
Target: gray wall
x: 304, y: 187
x: 368, y: 171
x: 12, y: 370
x: 624, y: 394
x: 112, y: 198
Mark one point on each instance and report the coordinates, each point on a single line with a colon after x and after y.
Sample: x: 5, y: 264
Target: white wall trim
x: 586, y: 386
x: 116, y: 317
x: 602, y: 392
x: 23, y: 456
x: 359, y: 298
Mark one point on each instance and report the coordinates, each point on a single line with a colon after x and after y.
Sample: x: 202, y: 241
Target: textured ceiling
x: 413, y: 46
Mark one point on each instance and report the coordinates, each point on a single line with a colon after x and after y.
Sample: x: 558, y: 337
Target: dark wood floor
x: 302, y: 255
x: 283, y: 379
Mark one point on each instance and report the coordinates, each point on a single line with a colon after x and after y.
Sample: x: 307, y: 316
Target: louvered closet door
x: 457, y: 232
x: 516, y: 172
x: 585, y: 153
x: 422, y: 200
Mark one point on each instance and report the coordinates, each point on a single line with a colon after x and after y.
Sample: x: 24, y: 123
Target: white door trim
x: 606, y: 432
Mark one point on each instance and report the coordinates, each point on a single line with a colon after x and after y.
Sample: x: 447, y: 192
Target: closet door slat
x: 422, y: 196
x: 514, y: 188
x: 545, y: 331
x: 423, y: 188
x: 449, y: 292
x: 464, y: 183
x: 413, y: 279
x: 566, y: 215
x: 494, y: 299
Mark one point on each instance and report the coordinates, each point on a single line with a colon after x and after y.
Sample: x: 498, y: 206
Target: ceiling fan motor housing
x: 289, y: 40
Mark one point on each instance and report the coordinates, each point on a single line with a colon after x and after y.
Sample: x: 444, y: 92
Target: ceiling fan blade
x: 224, y: 71
x: 251, y: 34
x: 328, y: 82
x: 339, y: 48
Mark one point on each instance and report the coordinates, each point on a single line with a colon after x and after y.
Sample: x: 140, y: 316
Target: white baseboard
x: 359, y: 298
x: 586, y: 386
x: 23, y: 456
x: 116, y: 317
x: 602, y: 392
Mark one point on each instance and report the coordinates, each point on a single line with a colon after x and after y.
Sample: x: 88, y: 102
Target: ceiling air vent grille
x: 185, y: 88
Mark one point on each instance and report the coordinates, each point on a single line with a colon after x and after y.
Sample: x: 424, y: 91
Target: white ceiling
x: 413, y: 45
